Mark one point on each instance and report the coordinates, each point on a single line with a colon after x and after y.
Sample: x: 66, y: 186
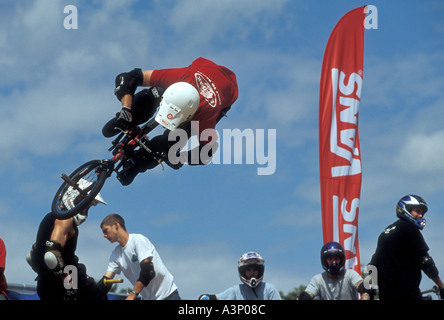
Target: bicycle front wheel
x: 79, y: 189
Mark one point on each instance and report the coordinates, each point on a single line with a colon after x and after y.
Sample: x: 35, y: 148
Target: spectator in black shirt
x: 402, y: 253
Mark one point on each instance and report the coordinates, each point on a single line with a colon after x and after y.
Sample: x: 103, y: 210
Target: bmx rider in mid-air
x: 202, y: 92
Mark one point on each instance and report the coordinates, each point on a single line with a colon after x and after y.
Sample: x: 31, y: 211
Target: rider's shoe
x: 145, y: 161
x: 128, y: 173
x: 109, y: 129
x: 141, y: 161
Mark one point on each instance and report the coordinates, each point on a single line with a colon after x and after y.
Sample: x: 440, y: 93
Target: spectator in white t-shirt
x: 139, y: 261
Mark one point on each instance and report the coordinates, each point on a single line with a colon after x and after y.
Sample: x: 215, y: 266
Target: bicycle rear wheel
x: 79, y: 189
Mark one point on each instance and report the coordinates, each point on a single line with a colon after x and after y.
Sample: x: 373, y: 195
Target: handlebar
x: 69, y: 181
x: 435, y: 289
x: 111, y: 281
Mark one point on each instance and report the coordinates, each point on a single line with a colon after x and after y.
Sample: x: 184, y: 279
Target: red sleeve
x: 3, y: 284
x: 165, y: 77
x: 2, y: 254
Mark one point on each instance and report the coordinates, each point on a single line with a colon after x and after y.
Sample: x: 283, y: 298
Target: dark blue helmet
x: 333, y: 249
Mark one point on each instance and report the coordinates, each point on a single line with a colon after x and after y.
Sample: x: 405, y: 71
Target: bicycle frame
x: 95, y: 172
x: 130, y: 141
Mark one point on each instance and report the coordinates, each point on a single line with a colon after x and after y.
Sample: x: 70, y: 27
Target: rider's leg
x: 144, y: 106
x: 142, y: 160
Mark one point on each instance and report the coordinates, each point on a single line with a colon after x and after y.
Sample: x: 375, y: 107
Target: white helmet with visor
x: 179, y: 103
x: 251, y: 260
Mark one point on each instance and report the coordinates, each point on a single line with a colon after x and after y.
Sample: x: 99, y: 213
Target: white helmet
x: 179, y: 103
x: 251, y: 259
x: 70, y: 196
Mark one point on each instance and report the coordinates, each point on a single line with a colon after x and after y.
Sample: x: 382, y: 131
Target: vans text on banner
x: 339, y: 152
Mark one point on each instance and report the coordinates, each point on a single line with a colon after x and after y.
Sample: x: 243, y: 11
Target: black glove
x: 102, y: 286
x: 127, y: 82
x: 124, y: 119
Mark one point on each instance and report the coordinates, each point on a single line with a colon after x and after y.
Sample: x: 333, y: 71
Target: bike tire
x: 92, y: 171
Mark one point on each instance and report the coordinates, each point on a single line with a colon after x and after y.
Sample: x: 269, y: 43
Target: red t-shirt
x: 3, y: 285
x: 217, y: 87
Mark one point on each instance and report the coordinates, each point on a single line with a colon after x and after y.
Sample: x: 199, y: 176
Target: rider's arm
x: 147, y: 273
x: 110, y: 274
x: 312, y: 290
x: 429, y: 268
x: 127, y: 99
x: 365, y: 294
x: 103, y: 286
x: 147, y: 78
x: 437, y: 280
x: 305, y: 296
x: 138, y: 286
x: 63, y: 230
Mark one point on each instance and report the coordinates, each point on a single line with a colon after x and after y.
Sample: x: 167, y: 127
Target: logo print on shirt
x: 206, y: 89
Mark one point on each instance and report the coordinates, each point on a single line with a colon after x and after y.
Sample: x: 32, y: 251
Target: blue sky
x: 56, y: 92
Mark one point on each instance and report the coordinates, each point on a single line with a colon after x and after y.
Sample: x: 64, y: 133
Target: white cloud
x: 402, y: 83
x: 60, y: 82
x: 422, y: 153
x: 211, y: 21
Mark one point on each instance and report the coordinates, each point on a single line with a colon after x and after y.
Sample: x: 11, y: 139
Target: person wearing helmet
x: 54, y: 250
x: 201, y: 93
x: 401, y: 253
x: 336, y: 282
x: 251, y: 273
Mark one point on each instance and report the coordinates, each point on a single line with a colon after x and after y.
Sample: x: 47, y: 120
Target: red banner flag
x: 339, y: 152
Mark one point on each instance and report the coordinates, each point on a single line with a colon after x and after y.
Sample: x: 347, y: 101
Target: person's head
x: 72, y: 197
x: 251, y: 268
x: 333, y: 258
x: 179, y: 103
x: 412, y: 208
x: 112, y: 225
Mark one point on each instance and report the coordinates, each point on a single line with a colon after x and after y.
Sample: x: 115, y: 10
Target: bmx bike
x: 85, y: 182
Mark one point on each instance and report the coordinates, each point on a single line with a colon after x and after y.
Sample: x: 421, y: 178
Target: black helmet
x: 405, y: 206
x: 332, y: 249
